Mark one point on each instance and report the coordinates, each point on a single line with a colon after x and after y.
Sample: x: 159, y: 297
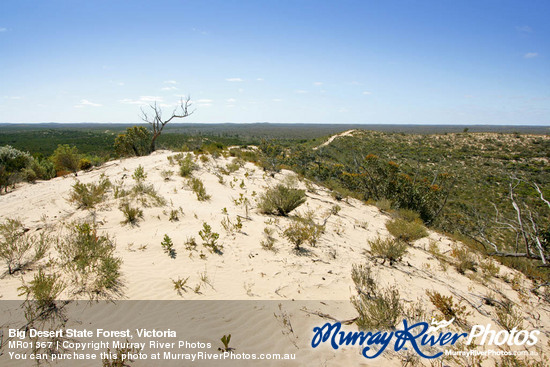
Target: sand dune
x: 245, y: 271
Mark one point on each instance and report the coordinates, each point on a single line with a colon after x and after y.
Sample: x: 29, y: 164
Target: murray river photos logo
x: 418, y: 336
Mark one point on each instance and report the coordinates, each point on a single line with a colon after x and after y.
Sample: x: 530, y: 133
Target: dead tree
x: 529, y: 237
x: 157, y: 123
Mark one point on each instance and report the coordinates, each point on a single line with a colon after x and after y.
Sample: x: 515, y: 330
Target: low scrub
x: 131, y: 214
x: 210, y: 239
x: 406, y: 231
x: 89, y: 257
x: 87, y: 196
x: 197, y: 186
x: 18, y: 248
x: 281, y: 200
x: 187, y: 165
x: 390, y: 249
x: 42, y: 292
x: 378, y: 308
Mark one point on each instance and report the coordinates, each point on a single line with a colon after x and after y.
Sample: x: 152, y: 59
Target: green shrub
x: 405, y: 230
x: 65, y: 158
x: 131, y: 214
x: 168, y: 246
x: 465, y: 260
x: 18, y: 248
x: 89, y: 195
x: 508, y: 317
x: 187, y: 166
x: 390, y: 249
x: 378, y: 309
x: 210, y: 239
x: 135, y: 142
x: 197, y: 186
x: 281, y: 200
x: 84, y: 164
x: 139, y: 174
x: 42, y: 291
x: 300, y: 232
x: 12, y: 163
x: 448, y: 308
x: 90, y: 258
x: 268, y: 243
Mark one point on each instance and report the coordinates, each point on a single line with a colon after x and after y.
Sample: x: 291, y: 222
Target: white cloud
x: 85, y: 102
x: 260, y: 79
x: 318, y: 83
x: 367, y: 93
x: 300, y: 91
x: 3, y: 29
x: 234, y: 79
x: 143, y: 100
x: 150, y: 99
x: 277, y: 100
x: 355, y: 82
x: 169, y: 88
x: 204, y: 100
x: 530, y: 55
x: 170, y: 82
x: 231, y: 100
x: 240, y: 90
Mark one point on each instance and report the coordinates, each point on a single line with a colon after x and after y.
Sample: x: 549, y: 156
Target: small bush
x: 139, y: 174
x: 131, y: 214
x: 17, y: 245
x: 88, y: 195
x: 508, y: 317
x: 408, y: 215
x: 281, y: 200
x: 168, y: 246
x: 66, y: 158
x: 448, y: 308
x: 210, y: 239
x: 197, y: 186
x: 268, y: 243
x: 465, y: 260
x: 180, y: 285
x: 405, y: 230
x: 90, y: 258
x: 297, y: 233
x: 191, y: 244
x: 379, y: 309
x: 388, y: 249
x: 84, y: 164
x: 187, y: 166
x: 174, y: 216
x: 43, y: 290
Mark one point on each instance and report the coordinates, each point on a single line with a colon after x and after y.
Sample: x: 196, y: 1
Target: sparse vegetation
x: 378, y: 308
x: 508, y: 316
x: 19, y: 248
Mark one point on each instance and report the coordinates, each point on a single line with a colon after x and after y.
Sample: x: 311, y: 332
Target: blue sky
x: 400, y: 62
